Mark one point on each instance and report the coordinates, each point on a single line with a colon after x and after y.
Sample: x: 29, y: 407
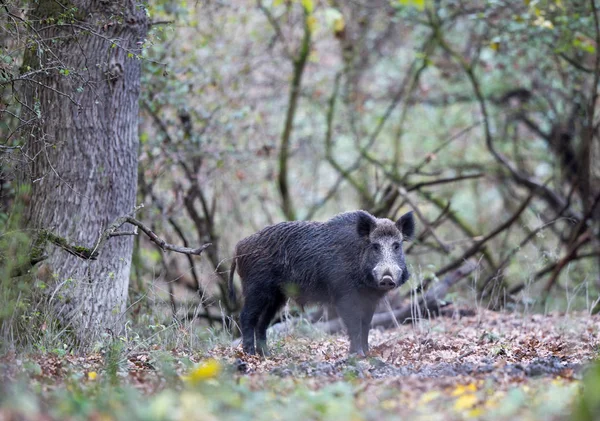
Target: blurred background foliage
x: 479, y: 114
x: 463, y: 110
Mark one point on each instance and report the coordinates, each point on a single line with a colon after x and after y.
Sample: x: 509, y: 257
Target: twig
x: 276, y: 27
x: 455, y: 218
x: 477, y: 246
x: 428, y: 227
x: 443, y: 181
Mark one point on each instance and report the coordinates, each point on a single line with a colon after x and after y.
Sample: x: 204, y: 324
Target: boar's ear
x: 406, y: 225
x: 365, y: 224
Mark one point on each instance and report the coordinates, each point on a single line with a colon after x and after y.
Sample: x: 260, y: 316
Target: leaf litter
x: 491, y: 365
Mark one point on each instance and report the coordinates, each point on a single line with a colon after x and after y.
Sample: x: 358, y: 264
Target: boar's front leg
x: 349, y: 309
x: 368, y: 309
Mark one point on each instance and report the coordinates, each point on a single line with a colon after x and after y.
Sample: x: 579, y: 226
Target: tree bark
x: 83, y: 146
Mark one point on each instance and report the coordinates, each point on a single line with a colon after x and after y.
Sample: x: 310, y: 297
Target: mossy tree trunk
x: 83, y: 144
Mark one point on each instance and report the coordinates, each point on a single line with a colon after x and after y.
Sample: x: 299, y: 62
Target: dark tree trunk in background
x: 83, y: 147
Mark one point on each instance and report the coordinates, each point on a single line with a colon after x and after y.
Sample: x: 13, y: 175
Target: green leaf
x: 419, y: 4
x: 308, y: 5
x: 584, y: 45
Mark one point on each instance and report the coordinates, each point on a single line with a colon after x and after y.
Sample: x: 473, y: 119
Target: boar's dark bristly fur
x: 350, y: 261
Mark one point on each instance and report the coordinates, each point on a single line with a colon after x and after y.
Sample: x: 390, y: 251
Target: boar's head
x: 383, y: 256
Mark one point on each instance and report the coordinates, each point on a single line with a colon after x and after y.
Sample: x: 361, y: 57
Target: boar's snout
x: 389, y: 279
x: 387, y: 283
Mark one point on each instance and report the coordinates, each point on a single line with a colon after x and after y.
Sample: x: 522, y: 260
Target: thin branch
x: 457, y: 220
x: 163, y: 244
x: 10, y: 148
x: 294, y: 96
x: 428, y: 227
x: 562, y: 263
x: 511, y: 254
x: 443, y: 181
x: 575, y: 63
x: 428, y: 157
x: 411, y: 78
x: 533, y: 185
x: 161, y: 22
x: 276, y: 27
x: 92, y: 253
x: 477, y: 246
x: 552, y: 266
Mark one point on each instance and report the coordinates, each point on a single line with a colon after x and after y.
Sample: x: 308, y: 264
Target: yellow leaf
x: 339, y: 24
x: 466, y: 401
x: 461, y: 389
x: 475, y: 413
x: 308, y: 5
x: 311, y: 23
x: 206, y: 370
x: 495, y: 46
x: 277, y: 2
x: 92, y: 375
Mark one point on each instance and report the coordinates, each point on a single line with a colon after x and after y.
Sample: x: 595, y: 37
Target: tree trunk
x: 83, y: 146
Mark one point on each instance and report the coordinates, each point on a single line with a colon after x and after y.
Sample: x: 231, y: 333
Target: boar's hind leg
x: 269, y: 311
x: 253, y: 308
x: 347, y: 309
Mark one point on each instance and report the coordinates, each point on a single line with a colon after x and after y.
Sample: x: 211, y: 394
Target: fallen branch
x: 429, y: 304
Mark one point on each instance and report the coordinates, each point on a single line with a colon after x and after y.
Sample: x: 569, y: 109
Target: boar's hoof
x: 249, y: 350
x: 357, y: 353
x: 263, y: 352
x: 261, y: 349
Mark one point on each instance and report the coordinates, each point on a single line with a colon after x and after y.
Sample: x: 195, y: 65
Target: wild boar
x: 350, y: 261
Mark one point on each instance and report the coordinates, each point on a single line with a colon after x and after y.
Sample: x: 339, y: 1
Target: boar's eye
x: 376, y: 247
x: 396, y: 246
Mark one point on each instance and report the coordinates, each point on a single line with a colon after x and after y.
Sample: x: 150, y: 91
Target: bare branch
x: 163, y: 244
x: 92, y: 253
x: 429, y: 303
x: 477, y: 246
x: 443, y: 181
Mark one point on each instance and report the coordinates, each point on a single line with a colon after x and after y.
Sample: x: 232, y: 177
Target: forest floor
x: 488, y: 366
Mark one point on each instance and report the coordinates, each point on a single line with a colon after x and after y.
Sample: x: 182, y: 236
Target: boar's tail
x: 232, y: 297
